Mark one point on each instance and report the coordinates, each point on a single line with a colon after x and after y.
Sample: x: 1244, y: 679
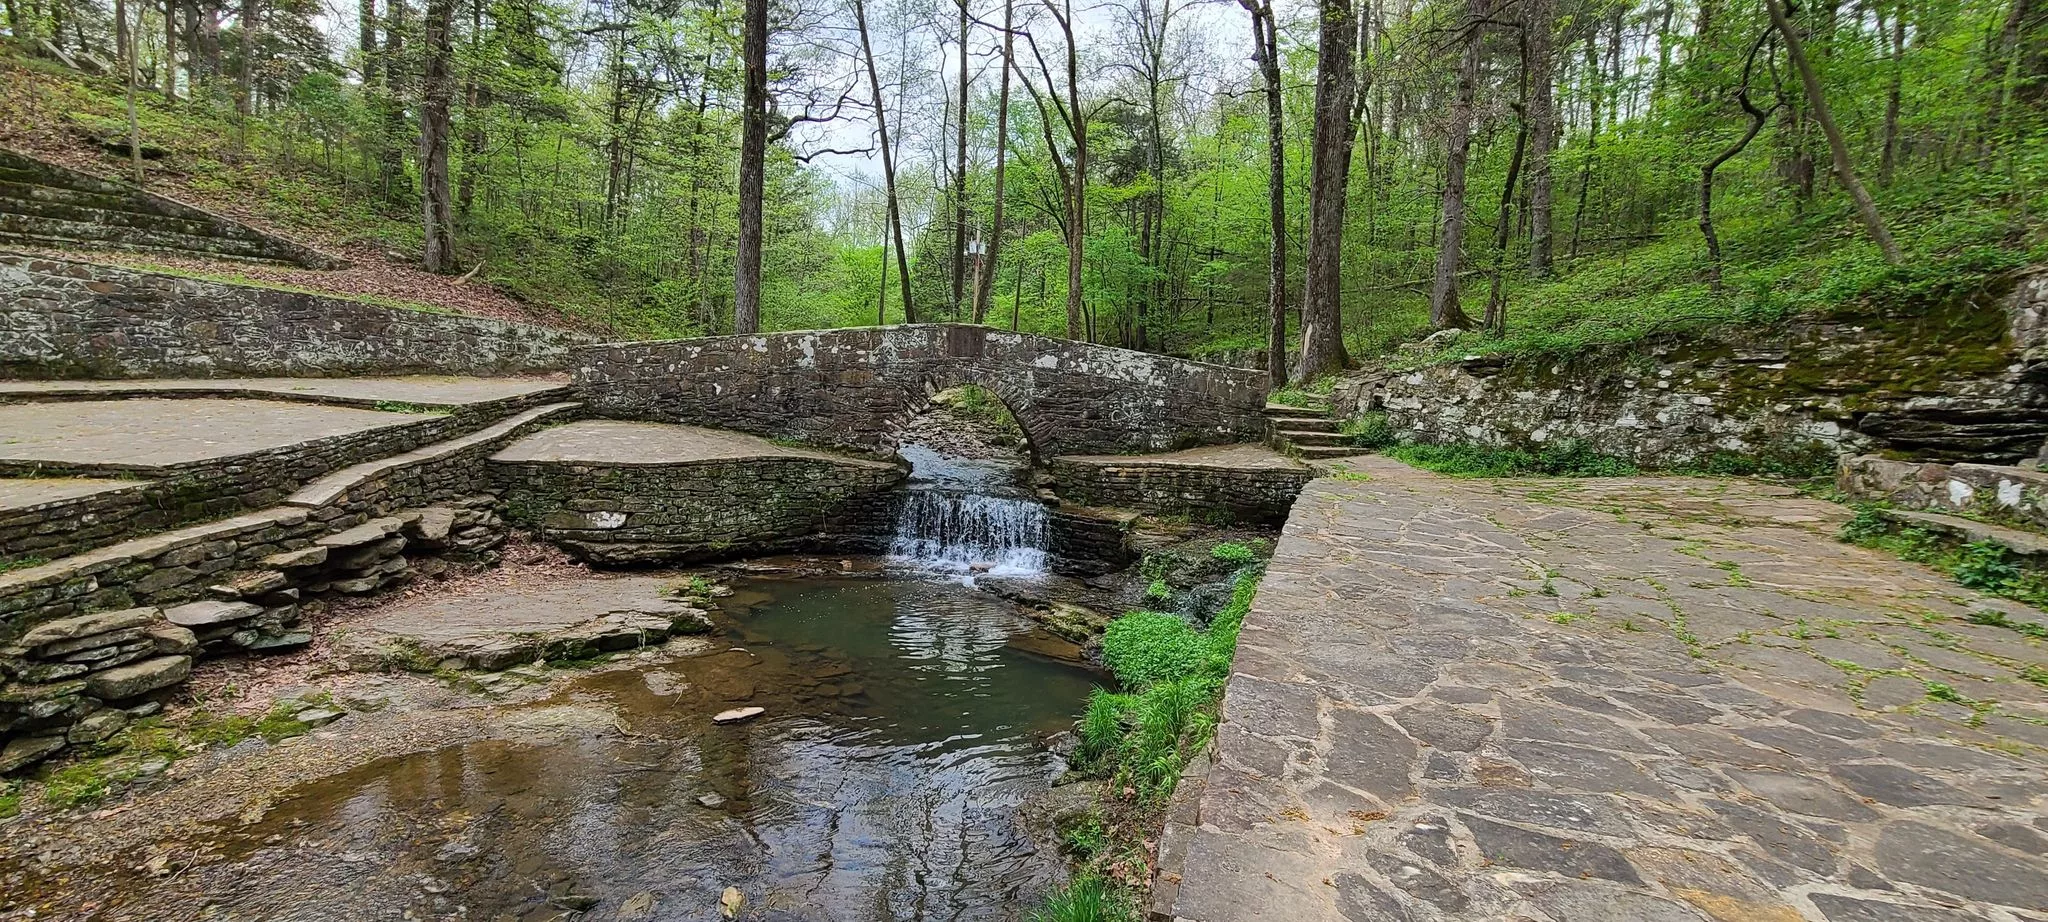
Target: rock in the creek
x: 638, y: 907
x: 712, y: 801
x: 730, y: 902
x: 28, y: 750
x: 134, y: 679
x: 737, y: 715
x: 207, y: 614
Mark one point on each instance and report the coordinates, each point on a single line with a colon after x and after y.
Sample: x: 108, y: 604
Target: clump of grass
x: 1088, y: 899
x: 10, y: 799
x: 1370, y: 431
x: 1148, y: 647
x: 1571, y: 458
x: 1995, y: 618
x: 1158, y: 591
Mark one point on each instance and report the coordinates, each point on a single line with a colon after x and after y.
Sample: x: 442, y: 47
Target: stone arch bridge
x: 849, y: 388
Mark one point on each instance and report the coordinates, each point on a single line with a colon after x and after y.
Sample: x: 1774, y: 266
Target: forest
x: 1296, y: 186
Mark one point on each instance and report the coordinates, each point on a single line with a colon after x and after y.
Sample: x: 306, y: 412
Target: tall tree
x: 1838, y: 147
x: 1266, y: 54
x: 1070, y: 173
x: 959, y: 259
x: 1322, y: 299
x: 1540, y: 25
x: 1444, y: 310
x: 746, y: 285
x: 437, y: 90
x: 985, y: 285
x: 867, y: 52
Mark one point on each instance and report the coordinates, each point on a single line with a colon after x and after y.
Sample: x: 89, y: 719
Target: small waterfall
x: 964, y: 532
x: 963, y: 516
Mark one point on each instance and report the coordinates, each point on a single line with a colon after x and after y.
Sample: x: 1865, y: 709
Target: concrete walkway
x: 617, y: 442
x: 421, y: 390
x: 144, y: 434
x: 1641, y: 700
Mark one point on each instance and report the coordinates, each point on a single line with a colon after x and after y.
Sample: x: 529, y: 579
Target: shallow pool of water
x: 902, y: 732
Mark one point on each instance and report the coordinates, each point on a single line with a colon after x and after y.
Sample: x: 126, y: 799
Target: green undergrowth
x: 1986, y: 566
x: 1464, y: 459
x: 1140, y: 740
x: 149, y: 745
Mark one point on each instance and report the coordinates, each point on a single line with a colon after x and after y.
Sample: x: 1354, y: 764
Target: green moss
x: 1464, y: 459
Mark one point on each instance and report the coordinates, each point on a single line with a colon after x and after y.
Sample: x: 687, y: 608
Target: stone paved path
x: 1642, y: 700
x: 1243, y: 457
x: 144, y: 434
x: 606, y: 441
x: 425, y: 390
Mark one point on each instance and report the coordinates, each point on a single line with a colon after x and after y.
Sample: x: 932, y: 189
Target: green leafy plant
x: 1233, y: 553
x: 1371, y: 431
x: 1088, y: 899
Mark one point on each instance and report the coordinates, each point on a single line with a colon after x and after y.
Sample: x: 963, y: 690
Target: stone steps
x: 1304, y: 438
x: 1304, y: 424
x: 1314, y: 452
x: 37, y: 230
x: 15, y: 190
x: 123, y: 217
x: 1284, y: 409
x: 47, y: 205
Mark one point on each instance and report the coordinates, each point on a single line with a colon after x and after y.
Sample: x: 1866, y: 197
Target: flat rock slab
x: 496, y: 627
x: 420, y: 390
x: 1246, y: 457
x: 151, y: 434
x: 1671, y: 699
x: 617, y: 443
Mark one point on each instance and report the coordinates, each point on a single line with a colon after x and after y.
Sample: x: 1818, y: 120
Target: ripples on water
x: 901, y: 735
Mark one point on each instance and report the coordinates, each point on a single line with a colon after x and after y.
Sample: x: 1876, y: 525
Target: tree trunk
x: 437, y: 92
x: 171, y: 49
x: 1077, y: 189
x: 472, y: 120
x: 746, y: 285
x: 986, y: 284
x: 1444, y: 311
x: 960, y: 177
x: 867, y: 52
x: 1889, y: 158
x: 1837, y: 147
x: 1265, y: 53
x: 245, y: 81
x: 1322, y: 306
x: 1542, y: 135
x: 131, y: 41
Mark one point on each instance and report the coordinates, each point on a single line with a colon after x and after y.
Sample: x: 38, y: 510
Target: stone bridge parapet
x: 851, y: 388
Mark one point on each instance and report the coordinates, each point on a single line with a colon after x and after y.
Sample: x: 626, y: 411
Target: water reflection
x: 881, y: 785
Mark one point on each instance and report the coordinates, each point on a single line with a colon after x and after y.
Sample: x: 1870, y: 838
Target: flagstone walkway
x: 1639, y: 700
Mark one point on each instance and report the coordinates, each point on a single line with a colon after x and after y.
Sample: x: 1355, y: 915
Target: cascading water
x: 967, y: 516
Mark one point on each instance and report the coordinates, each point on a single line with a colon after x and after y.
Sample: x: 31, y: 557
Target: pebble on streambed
x: 737, y: 715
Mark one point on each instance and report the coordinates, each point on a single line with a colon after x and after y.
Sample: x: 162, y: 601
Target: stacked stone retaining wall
x: 1203, y: 493
x: 1986, y: 491
x: 692, y: 511
x: 852, y: 388
x: 74, y: 319
x: 1958, y: 381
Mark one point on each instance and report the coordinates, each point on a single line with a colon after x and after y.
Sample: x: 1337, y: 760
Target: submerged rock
x: 737, y: 715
